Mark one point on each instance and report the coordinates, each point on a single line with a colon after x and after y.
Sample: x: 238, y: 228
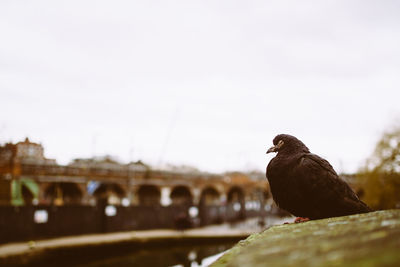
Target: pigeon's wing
x: 324, y: 192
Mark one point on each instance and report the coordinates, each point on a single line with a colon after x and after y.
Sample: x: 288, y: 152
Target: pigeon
x: 306, y: 185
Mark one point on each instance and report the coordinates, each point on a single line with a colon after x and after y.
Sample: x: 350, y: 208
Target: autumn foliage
x: 380, y: 177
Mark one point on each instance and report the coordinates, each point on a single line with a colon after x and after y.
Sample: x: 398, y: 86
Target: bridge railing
x: 58, y: 170
x: 123, y: 171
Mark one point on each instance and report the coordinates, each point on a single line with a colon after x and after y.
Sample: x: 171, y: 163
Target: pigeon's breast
x: 278, y: 178
x: 282, y: 182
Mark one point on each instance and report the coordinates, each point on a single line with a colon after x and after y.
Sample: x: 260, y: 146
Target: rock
x: 371, y: 239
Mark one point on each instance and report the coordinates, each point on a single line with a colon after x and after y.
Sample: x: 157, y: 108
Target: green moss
x: 359, y: 240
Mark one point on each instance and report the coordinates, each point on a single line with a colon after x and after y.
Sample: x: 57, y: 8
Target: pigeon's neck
x: 294, y: 150
x: 290, y: 155
x: 288, y: 158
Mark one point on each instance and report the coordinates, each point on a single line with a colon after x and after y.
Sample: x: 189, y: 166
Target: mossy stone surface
x: 371, y: 239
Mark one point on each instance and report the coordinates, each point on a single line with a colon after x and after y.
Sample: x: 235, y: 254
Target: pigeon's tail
x: 355, y: 206
x: 364, y: 208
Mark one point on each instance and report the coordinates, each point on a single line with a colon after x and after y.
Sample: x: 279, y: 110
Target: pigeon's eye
x: 280, y: 144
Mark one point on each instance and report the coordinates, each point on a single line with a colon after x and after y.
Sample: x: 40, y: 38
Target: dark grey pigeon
x: 306, y: 185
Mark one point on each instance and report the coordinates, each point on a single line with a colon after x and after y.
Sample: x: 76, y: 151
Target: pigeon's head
x: 287, y: 144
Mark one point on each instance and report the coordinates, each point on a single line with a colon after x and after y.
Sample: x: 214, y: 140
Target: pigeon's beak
x: 271, y: 149
x: 275, y: 148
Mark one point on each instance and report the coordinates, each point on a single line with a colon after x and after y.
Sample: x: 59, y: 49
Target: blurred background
x: 166, y: 109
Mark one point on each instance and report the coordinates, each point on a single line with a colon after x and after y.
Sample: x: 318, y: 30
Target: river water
x: 182, y: 255
x: 189, y: 255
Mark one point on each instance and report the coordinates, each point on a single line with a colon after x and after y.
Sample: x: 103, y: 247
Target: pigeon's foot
x: 298, y: 220
x: 301, y: 219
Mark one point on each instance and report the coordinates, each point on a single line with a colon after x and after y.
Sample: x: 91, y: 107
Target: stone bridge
x: 121, y: 196
x: 129, y: 185
x: 27, y: 177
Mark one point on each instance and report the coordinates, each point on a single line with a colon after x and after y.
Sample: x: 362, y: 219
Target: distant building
x: 107, y: 162
x: 24, y: 152
x: 20, y: 190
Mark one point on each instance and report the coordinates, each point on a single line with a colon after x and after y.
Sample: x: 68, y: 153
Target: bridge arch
x: 257, y: 199
x: 149, y: 195
x: 235, y: 204
x: 209, y: 196
x: 63, y: 193
x: 109, y: 193
x: 235, y: 195
x: 209, y: 207
x: 260, y: 194
x: 27, y: 195
x: 181, y: 195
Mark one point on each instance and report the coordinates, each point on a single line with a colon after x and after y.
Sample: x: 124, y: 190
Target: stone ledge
x: 371, y: 239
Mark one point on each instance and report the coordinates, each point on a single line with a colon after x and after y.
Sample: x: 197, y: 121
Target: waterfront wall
x: 23, y: 223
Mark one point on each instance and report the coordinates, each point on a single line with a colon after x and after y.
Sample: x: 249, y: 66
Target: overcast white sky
x: 202, y: 83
